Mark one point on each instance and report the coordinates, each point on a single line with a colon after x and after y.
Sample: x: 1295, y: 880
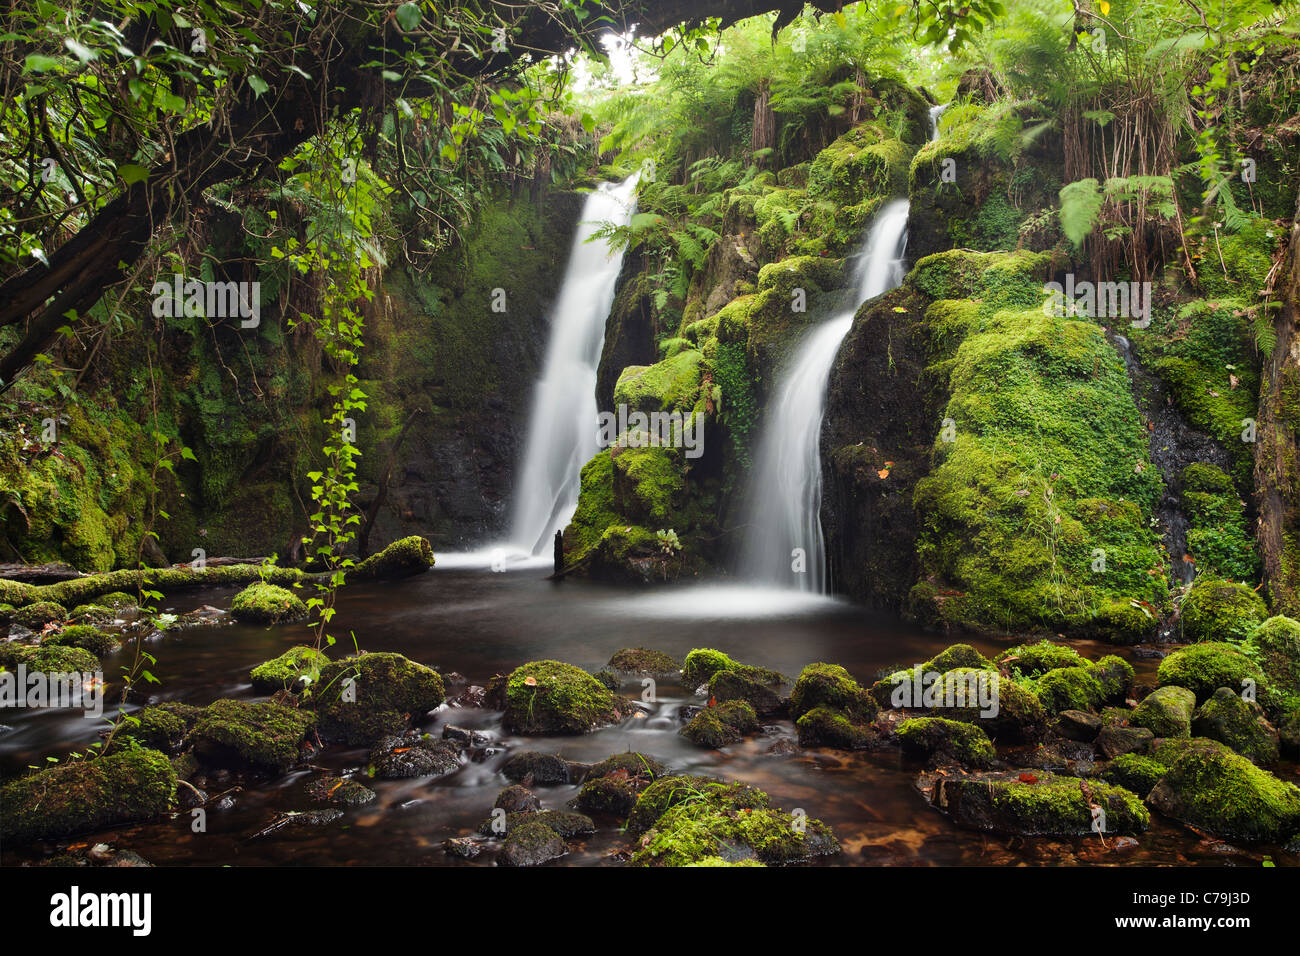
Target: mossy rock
x: 542, y: 768
x: 48, y: 658
x: 831, y: 727
x: 262, y: 735
x: 36, y: 616
x: 631, y: 764
x: 92, y: 614
x: 1240, y: 724
x: 641, y: 662
x: 668, y: 792
x: 1166, y: 712
x: 78, y: 796
x: 736, y: 685
x: 1134, y: 772
x: 1052, y: 806
x: 1275, y: 645
x: 361, y: 699
x: 1069, y: 688
x: 1219, y: 610
x: 300, y: 663
x: 267, y: 604
x: 163, y: 727
x: 712, y: 827
x: 1034, y: 660
x: 399, y: 758
x: 1204, y: 668
x: 401, y: 559
x: 667, y: 386
x: 85, y: 636
x: 702, y: 663
x: 829, y: 685
x: 1225, y: 794
x: 719, y: 861
x: 117, y: 600
x: 551, y: 697
x: 865, y: 162
x: 941, y: 740
x: 717, y: 727
x: 613, y: 785
x: 531, y: 843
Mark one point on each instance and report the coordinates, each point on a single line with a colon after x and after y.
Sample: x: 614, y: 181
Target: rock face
x: 82, y: 795
x: 361, y: 699
x: 1050, y: 806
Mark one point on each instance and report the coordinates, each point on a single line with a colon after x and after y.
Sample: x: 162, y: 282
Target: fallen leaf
x: 1028, y: 778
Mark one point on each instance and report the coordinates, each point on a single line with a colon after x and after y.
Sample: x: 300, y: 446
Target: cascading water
x: 786, y: 490
x: 563, y: 431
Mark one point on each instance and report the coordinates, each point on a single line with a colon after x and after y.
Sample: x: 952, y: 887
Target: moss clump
x: 958, y: 655
x: 1069, y: 688
x: 267, y: 604
x: 1218, y: 535
x: 1218, y: 610
x: 719, y: 861
x: 712, y: 825
x: 1224, y: 793
x: 828, y: 727
x: 530, y: 843
x: 1053, y: 806
x: 92, y: 614
x: 1134, y: 772
x: 1166, y: 712
x: 1275, y: 645
x: 830, y: 685
x: 716, y: 727
x: 84, y: 795
x: 263, y: 735
x: 1034, y: 660
x: 84, y: 636
x: 360, y: 699
x: 643, y: 663
x: 550, y: 697
x: 1204, y: 668
x: 613, y: 785
x: 667, y: 386
x: 36, y: 616
x: 163, y: 727
x: 402, y: 558
x: 668, y: 792
x: 116, y: 600
x: 283, y: 672
x: 1240, y: 724
x: 48, y: 659
x: 738, y: 685
x: 701, y: 664
x: 942, y: 740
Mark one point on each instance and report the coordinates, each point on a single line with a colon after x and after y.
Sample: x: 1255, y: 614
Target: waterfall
x: 786, y: 488
x: 563, y: 431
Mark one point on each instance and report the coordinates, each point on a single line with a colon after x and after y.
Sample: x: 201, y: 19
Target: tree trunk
x: 1277, y: 457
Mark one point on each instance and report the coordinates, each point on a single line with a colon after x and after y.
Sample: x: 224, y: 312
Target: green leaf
x: 258, y: 84
x: 38, y: 63
x: 408, y: 16
x: 132, y: 173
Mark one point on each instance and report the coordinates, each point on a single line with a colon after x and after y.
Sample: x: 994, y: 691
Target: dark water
x: 481, y: 624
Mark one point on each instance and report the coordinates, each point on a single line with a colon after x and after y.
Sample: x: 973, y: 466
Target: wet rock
x: 1113, y: 741
x: 613, y: 785
x: 164, y: 726
x: 1166, y: 712
x: 731, y: 685
x: 1045, y: 805
x: 829, y: 685
x: 189, y: 796
x: 550, y: 697
x: 462, y: 847
x: 783, y: 747
x: 938, y: 740
x: 293, y: 669
x: 531, y: 843
x: 340, y: 791
x: 127, y: 858
x: 402, y: 757
x: 540, y: 767
x: 640, y: 662
x: 716, y: 727
x: 464, y: 737
x: 1134, y: 772
x: 472, y: 696
x: 1078, y: 725
x: 362, y: 699
x: 267, y: 604
x: 263, y: 735
x: 1210, y: 787
x: 1240, y: 724
x: 517, y: 799
x: 828, y: 727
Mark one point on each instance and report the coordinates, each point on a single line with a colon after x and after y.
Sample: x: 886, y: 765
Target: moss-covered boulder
x: 1134, y: 772
x: 301, y: 663
x: 939, y: 740
x: 1213, y: 789
x: 536, y: 766
x: 1166, y: 712
x: 1204, y: 668
x: 361, y: 699
x: 829, y: 727
x: 667, y: 792
x: 48, y: 658
x: 829, y: 685
x: 551, y: 697
x: 531, y: 843
x: 702, y: 664
x: 401, y: 559
x: 716, y: 727
x: 1049, y: 806
x: 82, y: 795
x: 36, y: 616
x: 1240, y: 724
x: 261, y: 735
x: 735, y: 685
x: 613, y: 785
x: 1034, y: 660
x: 164, y: 726
x: 85, y: 636
x: 1275, y: 646
x: 1219, y: 610
x: 396, y: 758
x: 641, y: 662
x: 267, y: 604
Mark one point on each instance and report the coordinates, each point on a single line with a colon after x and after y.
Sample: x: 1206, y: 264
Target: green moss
x: 48, y: 658
x: 667, y: 386
x: 1166, y: 712
x: 697, y: 830
x: 387, y: 692
x: 85, y: 636
x: 404, y: 557
x: 36, y: 616
x: 643, y: 662
x: 954, y: 657
x: 865, y: 162
x: 1275, y: 646
x: 1053, y: 806
x: 1218, y: 535
x: 283, y: 672
x: 84, y: 795
x: 829, y: 727
x: 701, y: 664
x: 1204, y: 668
x: 267, y: 604
x: 1240, y: 724
x: 949, y: 740
x: 1133, y: 772
x: 1034, y: 660
x: 163, y: 727
x: 1218, y: 610
x: 1223, y: 793
x: 550, y: 697
x: 264, y: 735
x: 1068, y: 688
x: 668, y: 792
x: 829, y: 685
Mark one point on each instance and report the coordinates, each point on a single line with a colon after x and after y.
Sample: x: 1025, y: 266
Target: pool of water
x: 479, y: 624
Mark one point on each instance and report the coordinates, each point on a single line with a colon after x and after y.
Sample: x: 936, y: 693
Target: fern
x: 1080, y: 205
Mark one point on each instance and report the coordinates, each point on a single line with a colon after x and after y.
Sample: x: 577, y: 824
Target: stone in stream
x: 1114, y: 741
x: 364, y: 698
x: 938, y: 740
x: 730, y: 685
x: 542, y: 768
x: 1078, y: 725
x: 267, y: 604
x: 517, y: 799
x: 260, y: 735
x: 613, y: 785
x: 716, y: 727
x: 1026, y: 804
x: 1240, y: 724
x: 339, y: 791
x: 402, y: 757
x: 531, y: 843
x: 551, y: 697
x: 1166, y: 712
x: 641, y: 662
